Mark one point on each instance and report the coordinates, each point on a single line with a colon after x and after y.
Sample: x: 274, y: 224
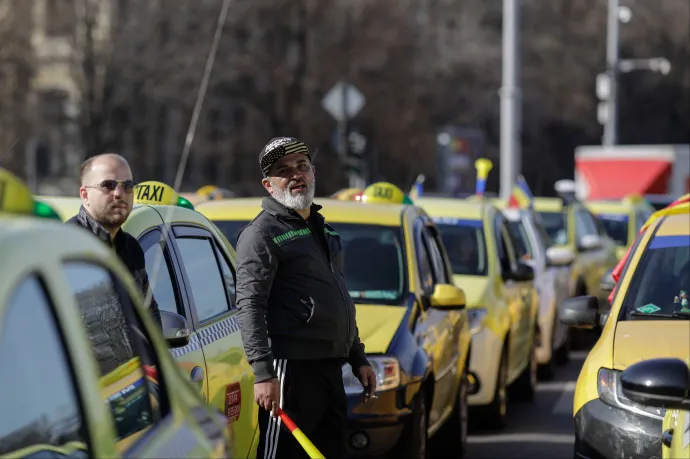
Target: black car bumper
x: 376, y: 428
x: 604, y: 431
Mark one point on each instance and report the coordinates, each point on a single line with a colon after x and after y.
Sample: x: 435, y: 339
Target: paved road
x: 543, y: 428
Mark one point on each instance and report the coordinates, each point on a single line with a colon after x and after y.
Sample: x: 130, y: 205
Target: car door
x: 594, y: 261
x: 516, y: 295
x: 138, y: 403
x: 165, y: 279
x: 42, y: 412
x: 448, y: 323
x: 209, y: 277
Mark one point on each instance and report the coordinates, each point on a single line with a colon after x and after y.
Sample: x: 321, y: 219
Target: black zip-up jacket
x: 128, y: 249
x: 292, y: 290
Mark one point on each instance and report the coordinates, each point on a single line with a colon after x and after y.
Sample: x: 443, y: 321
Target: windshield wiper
x: 673, y: 315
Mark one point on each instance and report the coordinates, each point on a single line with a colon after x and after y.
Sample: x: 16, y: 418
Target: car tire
x: 524, y: 387
x: 414, y: 440
x: 452, y: 437
x: 495, y: 415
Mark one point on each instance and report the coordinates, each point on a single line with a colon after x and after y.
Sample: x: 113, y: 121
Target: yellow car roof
x: 548, y: 204
x: 335, y: 211
x: 452, y: 207
x: 674, y: 225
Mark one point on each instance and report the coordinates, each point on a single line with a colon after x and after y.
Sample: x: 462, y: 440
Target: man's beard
x: 111, y: 218
x: 301, y: 201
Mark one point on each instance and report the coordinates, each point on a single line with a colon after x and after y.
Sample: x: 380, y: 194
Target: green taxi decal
x: 290, y: 235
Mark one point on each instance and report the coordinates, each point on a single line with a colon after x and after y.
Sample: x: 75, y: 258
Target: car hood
x: 377, y: 325
x: 475, y: 288
x: 638, y: 340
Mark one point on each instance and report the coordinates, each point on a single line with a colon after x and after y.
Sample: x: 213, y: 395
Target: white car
x: 552, y: 279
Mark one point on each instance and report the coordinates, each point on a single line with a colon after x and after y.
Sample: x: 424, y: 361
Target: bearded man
x: 295, y: 313
x: 107, y: 197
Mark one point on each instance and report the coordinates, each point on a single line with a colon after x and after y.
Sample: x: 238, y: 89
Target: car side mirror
x: 175, y: 329
x: 580, y: 312
x: 661, y: 383
x: 607, y: 283
x: 590, y: 242
x: 448, y: 297
x: 559, y: 256
x: 522, y: 272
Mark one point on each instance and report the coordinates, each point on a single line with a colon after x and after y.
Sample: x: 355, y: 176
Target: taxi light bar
x: 159, y: 194
x: 43, y: 210
x: 16, y: 198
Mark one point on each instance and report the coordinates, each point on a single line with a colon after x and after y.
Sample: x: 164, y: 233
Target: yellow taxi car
x: 621, y: 219
x: 86, y: 371
x: 502, y: 303
x: 664, y: 383
x: 649, y: 318
x: 411, y: 320
x: 572, y: 225
x: 191, y: 267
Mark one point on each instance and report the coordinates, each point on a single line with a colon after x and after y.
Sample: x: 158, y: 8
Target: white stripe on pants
x: 274, y: 423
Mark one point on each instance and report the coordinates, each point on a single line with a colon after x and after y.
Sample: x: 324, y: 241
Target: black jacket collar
x: 278, y: 210
x: 87, y: 221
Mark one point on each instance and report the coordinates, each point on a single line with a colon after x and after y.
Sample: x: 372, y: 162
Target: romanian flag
x: 522, y: 195
x: 302, y: 439
x: 679, y: 206
x: 417, y: 189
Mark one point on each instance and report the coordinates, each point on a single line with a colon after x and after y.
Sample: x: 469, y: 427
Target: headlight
x: 387, y: 371
x: 477, y: 317
x: 609, y: 388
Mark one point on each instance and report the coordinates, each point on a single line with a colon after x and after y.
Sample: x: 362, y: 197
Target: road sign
x: 343, y: 101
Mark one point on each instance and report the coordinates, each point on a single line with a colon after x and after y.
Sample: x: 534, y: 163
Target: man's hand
x: 267, y: 395
x: 368, y: 379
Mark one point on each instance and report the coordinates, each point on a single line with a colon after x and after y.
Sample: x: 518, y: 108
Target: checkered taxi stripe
x: 208, y: 335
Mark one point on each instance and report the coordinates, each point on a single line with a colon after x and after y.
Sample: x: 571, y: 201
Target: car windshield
x: 465, y: 245
x: 556, y: 225
x: 231, y: 229
x: 519, y: 233
x: 374, y: 262
x: 616, y: 226
x: 660, y: 285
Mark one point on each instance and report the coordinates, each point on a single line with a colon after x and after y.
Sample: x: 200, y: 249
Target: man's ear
x: 83, y: 194
x: 313, y: 171
x: 267, y: 184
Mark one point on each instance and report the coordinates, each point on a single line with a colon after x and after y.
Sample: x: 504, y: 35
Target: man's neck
x: 304, y: 213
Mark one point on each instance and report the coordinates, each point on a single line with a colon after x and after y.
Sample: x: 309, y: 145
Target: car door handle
x: 197, y: 375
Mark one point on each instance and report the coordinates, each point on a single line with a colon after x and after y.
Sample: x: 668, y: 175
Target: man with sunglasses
x: 107, y: 196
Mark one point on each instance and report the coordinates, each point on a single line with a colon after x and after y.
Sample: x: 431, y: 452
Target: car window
x: 159, y: 269
x: 584, y: 224
x: 231, y: 229
x: 543, y: 236
x: 523, y: 246
x: 661, y: 280
x: 437, y: 261
x: 39, y: 400
x: 464, y: 241
x: 228, y: 277
x: 119, y: 346
x: 556, y: 225
x: 205, y: 279
x: 378, y: 279
x: 616, y: 226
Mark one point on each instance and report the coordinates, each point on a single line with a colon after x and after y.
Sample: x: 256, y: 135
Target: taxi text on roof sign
x: 16, y: 198
x: 159, y: 194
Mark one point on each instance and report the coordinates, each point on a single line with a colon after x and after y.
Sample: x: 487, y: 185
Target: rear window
x: 556, y: 225
x: 519, y: 233
x: 661, y: 281
x: 616, y: 226
x: 231, y: 229
x: 465, y: 244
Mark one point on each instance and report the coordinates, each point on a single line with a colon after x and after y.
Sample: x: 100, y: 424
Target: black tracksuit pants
x: 312, y: 394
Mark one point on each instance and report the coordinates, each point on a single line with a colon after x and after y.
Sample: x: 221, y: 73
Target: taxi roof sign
x: 16, y: 198
x: 383, y: 193
x: 159, y: 194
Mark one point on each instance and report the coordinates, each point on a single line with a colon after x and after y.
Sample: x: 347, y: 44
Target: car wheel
x: 413, y: 443
x: 453, y: 434
x: 524, y: 387
x: 495, y: 415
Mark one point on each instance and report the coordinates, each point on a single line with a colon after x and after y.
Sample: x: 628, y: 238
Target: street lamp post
x: 510, y: 98
x: 612, y: 37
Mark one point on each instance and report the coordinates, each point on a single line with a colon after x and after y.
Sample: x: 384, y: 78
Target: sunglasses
x: 112, y: 185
